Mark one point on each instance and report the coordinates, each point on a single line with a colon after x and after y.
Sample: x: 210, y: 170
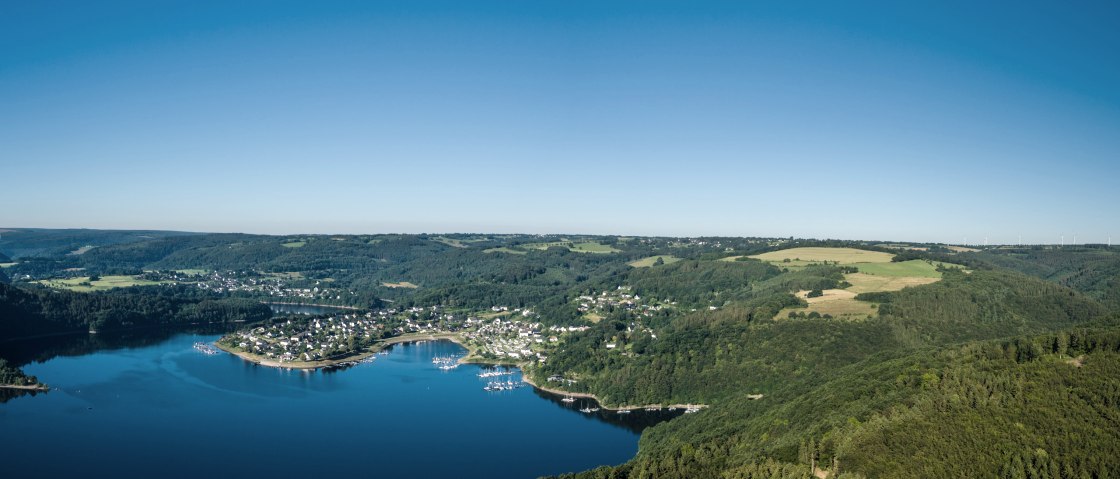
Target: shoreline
x: 326, y: 363
x: 562, y: 392
x: 468, y: 359
x: 26, y: 387
x: 357, y: 356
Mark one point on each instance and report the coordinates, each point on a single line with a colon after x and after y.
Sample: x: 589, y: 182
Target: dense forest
x: 1000, y: 364
x: 31, y: 312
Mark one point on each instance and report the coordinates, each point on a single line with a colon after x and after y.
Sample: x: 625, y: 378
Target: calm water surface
x: 167, y: 410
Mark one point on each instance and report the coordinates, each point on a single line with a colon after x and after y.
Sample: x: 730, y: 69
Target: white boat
x: 569, y: 399
x: 205, y: 348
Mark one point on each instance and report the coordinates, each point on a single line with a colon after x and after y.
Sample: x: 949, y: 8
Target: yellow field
x: 867, y: 283
x: 838, y: 303
x: 7, y: 265
x: 647, y: 262
x: 873, y: 276
x: 819, y: 255
x: 402, y: 284
x: 106, y: 282
x: 962, y: 249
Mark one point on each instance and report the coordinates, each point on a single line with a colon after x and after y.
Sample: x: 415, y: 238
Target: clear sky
x: 926, y: 121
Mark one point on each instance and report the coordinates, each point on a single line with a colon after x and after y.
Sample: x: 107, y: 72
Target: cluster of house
x: 619, y: 298
x: 309, y: 339
x: 518, y: 336
x: 249, y: 281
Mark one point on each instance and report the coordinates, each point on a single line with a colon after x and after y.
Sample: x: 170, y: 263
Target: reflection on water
x: 177, y: 411
x: 636, y: 420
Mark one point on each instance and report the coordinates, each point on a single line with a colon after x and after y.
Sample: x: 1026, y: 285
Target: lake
x: 164, y: 409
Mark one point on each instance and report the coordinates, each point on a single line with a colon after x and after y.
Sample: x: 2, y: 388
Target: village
x: 279, y: 287
x: 501, y: 335
x: 596, y: 306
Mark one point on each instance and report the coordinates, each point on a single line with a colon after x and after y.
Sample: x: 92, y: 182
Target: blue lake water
x: 167, y: 410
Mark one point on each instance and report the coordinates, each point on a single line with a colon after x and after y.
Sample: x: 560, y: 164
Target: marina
x: 206, y: 349
x: 105, y: 401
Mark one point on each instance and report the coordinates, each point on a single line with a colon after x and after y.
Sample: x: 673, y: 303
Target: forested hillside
x: 839, y: 390
x: 1094, y: 271
x: 37, y: 312
x: 991, y: 363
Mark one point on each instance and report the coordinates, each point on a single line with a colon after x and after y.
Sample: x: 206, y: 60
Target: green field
x: 105, y: 283
x: 544, y: 246
x: 820, y: 255
x: 294, y: 244
x: 287, y: 275
x: 7, y: 265
x: 449, y: 242
x: 192, y: 271
x: 872, y: 277
x: 647, y: 262
x: 592, y: 247
x: 503, y: 249
x: 914, y: 268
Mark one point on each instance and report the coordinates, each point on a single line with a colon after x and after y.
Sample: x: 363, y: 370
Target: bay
x: 167, y: 410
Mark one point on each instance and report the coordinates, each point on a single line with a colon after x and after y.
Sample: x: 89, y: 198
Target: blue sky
x: 925, y: 121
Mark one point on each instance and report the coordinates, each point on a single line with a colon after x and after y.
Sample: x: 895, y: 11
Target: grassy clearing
x: 402, y: 284
x: 867, y: 283
x: 872, y: 277
x: 819, y: 255
x: 503, y: 249
x: 894, y: 276
x: 449, y: 242
x: 105, y: 283
x: 192, y: 271
x: 82, y: 250
x: 647, y: 262
x: 294, y: 244
x: 544, y: 246
x: 593, y: 317
x: 592, y: 247
x: 913, y: 268
x: 287, y: 275
x: 838, y: 303
x: 7, y: 265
